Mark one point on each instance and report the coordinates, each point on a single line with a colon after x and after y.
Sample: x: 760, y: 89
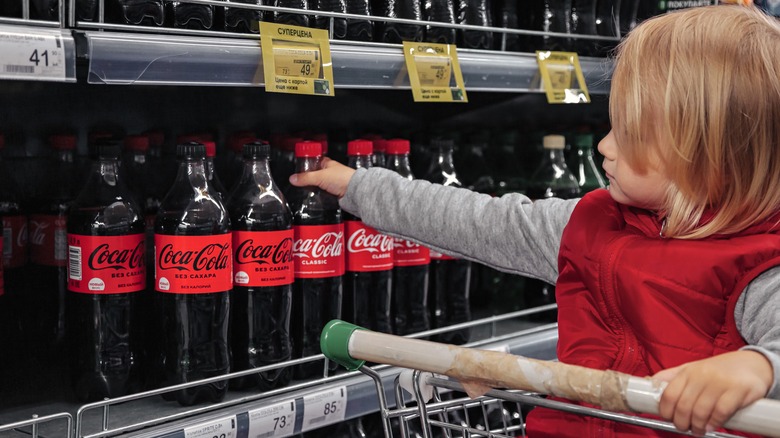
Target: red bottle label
x: 106, y: 264
x: 439, y: 256
x: 15, y: 241
x: 193, y: 264
x: 408, y: 253
x: 48, y: 240
x: 367, y: 249
x: 262, y: 258
x: 318, y: 251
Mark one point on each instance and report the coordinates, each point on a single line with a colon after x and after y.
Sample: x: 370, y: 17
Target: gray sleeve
x: 757, y: 315
x: 510, y: 233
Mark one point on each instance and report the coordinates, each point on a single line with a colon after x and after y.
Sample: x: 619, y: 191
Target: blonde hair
x: 696, y: 94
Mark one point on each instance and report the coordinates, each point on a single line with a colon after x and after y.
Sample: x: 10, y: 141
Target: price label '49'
x: 277, y: 420
x: 31, y: 55
x: 322, y: 408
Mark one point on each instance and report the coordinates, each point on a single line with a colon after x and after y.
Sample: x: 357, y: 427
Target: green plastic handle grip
x: 334, y: 343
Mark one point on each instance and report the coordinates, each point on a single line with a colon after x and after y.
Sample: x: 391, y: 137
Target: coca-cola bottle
x: 230, y: 164
x: 14, y: 220
x: 211, y: 169
x: 318, y: 253
x: 450, y: 278
x: 262, y: 272
x: 368, y: 282
x: 106, y: 269
x: 552, y: 179
x: 283, y: 159
x: 193, y: 275
x: 410, y: 262
x: 45, y: 302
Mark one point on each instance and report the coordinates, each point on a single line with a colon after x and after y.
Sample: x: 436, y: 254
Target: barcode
x: 74, y: 262
x: 265, y: 434
x: 19, y: 69
x: 317, y: 420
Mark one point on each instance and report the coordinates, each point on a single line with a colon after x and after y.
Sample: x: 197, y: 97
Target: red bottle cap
x: 156, y: 137
x: 63, y: 141
x: 211, y: 149
x: 360, y: 147
x: 380, y: 145
x: 308, y: 149
x: 137, y: 143
x: 397, y: 146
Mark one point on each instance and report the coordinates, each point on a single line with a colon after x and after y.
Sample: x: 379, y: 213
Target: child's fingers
x: 668, y: 374
x: 671, y: 395
x: 690, y: 394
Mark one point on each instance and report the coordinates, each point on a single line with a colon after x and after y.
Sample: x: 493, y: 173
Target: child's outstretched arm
x: 702, y: 395
x: 333, y: 178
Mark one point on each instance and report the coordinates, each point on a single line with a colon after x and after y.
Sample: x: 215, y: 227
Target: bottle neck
x: 193, y: 171
x: 64, y: 155
x: 360, y: 161
x: 257, y: 172
x: 556, y: 156
x: 138, y: 157
x: 400, y: 164
x: 106, y: 171
x: 307, y: 164
x: 445, y: 161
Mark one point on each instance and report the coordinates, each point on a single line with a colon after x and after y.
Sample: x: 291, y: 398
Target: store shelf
x: 134, y: 58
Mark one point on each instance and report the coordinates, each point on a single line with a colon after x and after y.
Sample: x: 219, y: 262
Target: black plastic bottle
x: 450, y: 278
x: 411, y: 262
x: 243, y: 20
x: 395, y: 32
x: 552, y: 179
x: 262, y: 273
x: 318, y: 253
x: 193, y: 278
x: 292, y: 19
x: 322, y: 22
x: 505, y: 14
x: 583, y: 22
x: 189, y: 15
x: 607, y: 24
x: 368, y: 281
x: 442, y: 11
x: 106, y: 273
x: 14, y: 225
x: 359, y: 30
x: 477, y: 13
x: 136, y: 12
x: 550, y: 16
x: 211, y: 170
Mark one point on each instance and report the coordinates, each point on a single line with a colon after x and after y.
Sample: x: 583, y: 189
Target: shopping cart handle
x: 334, y: 343
x: 479, y: 370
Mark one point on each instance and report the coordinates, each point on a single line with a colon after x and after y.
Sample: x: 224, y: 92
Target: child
x: 672, y: 271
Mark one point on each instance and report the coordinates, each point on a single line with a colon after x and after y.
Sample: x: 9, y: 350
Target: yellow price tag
x: 434, y: 72
x: 562, y: 77
x: 296, y: 60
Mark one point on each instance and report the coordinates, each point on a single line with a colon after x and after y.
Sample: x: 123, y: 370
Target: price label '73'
x: 277, y: 420
x: 322, y: 408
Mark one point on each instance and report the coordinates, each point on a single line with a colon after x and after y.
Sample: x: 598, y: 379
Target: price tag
x: 272, y: 421
x: 434, y: 72
x: 562, y: 77
x: 296, y: 60
x: 31, y: 55
x: 221, y: 428
x: 323, y: 408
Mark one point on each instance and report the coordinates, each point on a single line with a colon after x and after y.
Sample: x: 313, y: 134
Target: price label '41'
x: 277, y: 420
x: 221, y: 428
x: 31, y: 55
x: 322, y: 408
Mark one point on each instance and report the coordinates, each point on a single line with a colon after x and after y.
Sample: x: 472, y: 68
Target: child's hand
x: 703, y: 395
x: 333, y: 177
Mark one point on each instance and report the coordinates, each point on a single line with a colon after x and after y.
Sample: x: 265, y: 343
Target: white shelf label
x: 221, y: 428
x: 322, y: 408
x: 272, y: 421
x: 31, y: 55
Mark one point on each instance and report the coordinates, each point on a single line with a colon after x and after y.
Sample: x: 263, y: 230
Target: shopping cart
x: 430, y: 401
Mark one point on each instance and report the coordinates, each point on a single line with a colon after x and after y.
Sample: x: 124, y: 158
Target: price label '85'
x: 322, y: 408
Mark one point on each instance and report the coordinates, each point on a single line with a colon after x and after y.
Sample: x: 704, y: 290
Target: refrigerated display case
x: 130, y: 79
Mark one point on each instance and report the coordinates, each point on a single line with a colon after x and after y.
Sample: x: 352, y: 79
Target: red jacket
x: 632, y: 301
